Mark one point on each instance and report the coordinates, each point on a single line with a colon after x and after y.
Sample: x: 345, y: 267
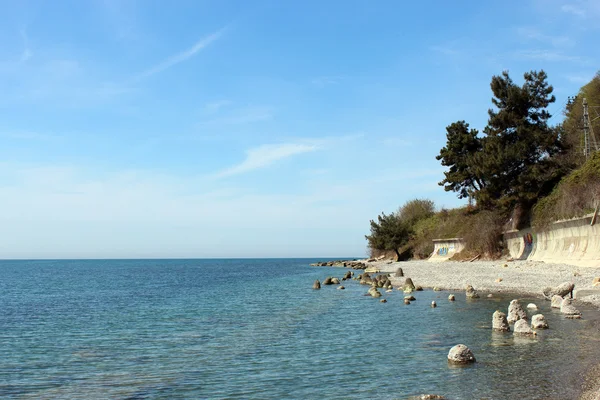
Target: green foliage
x: 415, y: 210
x: 513, y: 163
x: 459, y: 156
x: 572, y: 125
x: 576, y: 195
x: 393, y: 232
x: 388, y: 233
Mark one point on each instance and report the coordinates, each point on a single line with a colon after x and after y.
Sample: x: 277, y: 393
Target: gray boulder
x: 556, y: 301
x: 419, y: 288
x: 335, y: 281
x: 410, y: 298
x: 562, y: 290
x: 406, y: 301
x: 522, y: 328
x: 399, y: 273
x: 341, y: 287
x: 460, y: 354
x: 516, y: 312
x: 317, y: 285
x: 538, y: 321
x: 327, y: 281
x: 471, y: 292
x: 499, y: 322
x: 451, y: 297
x: 569, y: 309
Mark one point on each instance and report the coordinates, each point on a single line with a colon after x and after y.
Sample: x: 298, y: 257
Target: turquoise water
x: 254, y: 329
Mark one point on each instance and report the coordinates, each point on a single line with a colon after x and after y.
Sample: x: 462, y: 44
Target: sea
x: 255, y: 329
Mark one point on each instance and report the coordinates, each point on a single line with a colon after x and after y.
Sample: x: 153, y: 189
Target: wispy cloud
x: 448, y: 50
x: 264, y: 156
x: 323, y: 81
x: 215, y: 106
x: 548, y: 55
x: 183, y: 56
x: 27, y: 53
x: 573, y: 9
x: 534, y: 34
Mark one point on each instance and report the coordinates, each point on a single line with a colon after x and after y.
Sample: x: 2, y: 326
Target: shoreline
x: 521, y: 277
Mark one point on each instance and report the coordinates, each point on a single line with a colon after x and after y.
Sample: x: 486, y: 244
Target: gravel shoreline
x: 522, y: 277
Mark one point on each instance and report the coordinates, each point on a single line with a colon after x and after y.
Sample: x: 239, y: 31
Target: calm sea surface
x: 254, y: 329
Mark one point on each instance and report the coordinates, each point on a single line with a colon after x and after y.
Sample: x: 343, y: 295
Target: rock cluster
x: 460, y: 354
x: 499, y: 322
x: 516, y: 312
x: 354, y: 264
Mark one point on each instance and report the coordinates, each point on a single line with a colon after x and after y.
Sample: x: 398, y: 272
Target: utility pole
x: 586, y: 130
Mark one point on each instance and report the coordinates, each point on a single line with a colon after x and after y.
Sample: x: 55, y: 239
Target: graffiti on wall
x: 528, y: 242
x: 445, y: 249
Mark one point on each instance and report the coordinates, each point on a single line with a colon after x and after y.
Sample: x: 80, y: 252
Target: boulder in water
x: 516, y: 312
x: 433, y: 304
x: 451, y: 297
x: 335, y: 281
x: 569, y: 309
x: 383, y: 301
x: 341, y: 287
x: 408, y: 285
x: 499, y: 322
x: 406, y: 301
x: 460, y: 354
x: 538, y: 321
x: 418, y: 288
x: 410, y: 298
x: 317, y: 285
x: 471, y: 292
x: 522, y: 328
x: 556, y: 301
x: 327, y: 281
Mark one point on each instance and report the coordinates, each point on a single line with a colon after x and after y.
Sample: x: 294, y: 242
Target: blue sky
x: 249, y: 128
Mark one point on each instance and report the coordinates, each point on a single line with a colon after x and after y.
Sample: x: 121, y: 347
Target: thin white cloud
x: 529, y: 33
x: 323, y: 81
x: 264, y: 156
x: 573, y: 9
x: 215, y: 106
x: 184, y: 55
x: 26, y: 54
x: 548, y: 55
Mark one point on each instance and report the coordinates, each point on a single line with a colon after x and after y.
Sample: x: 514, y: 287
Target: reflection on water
x: 254, y: 329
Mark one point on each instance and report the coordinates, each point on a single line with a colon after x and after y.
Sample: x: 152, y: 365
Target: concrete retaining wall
x: 443, y: 249
x: 574, y: 241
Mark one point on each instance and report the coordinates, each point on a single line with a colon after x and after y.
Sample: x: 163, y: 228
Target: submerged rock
x: 499, y: 322
x: 451, y: 297
x: 317, y: 285
x: 516, y: 312
x: 460, y: 354
x: 410, y: 298
x: 383, y: 301
x: 433, y: 304
x: 538, y: 321
x: 471, y: 292
x: 406, y: 301
x: 522, y: 328
x: 419, y: 288
x: 556, y: 301
x: 341, y: 288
